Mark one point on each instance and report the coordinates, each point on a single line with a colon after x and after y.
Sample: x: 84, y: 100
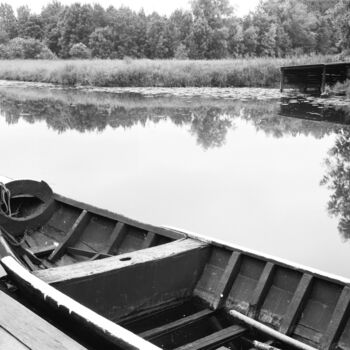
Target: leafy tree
x: 46, y: 54
x: 250, y: 38
x: 24, y: 48
x: 4, y: 37
x: 101, y: 42
x: 208, y: 38
x: 99, y: 17
x: 199, y: 39
x: 157, y: 41
x: 76, y: 26
x: 337, y: 180
x: 235, y: 43
x: 79, y: 50
x: 179, y: 27
x: 50, y: 16
x: 8, y: 21
x: 181, y: 52
x: 341, y: 17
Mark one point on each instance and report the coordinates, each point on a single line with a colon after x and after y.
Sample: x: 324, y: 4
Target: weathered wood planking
x: 72, y: 235
x: 172, y: 326
x: 227, y: 279
x: 215, y: 339
x: 70, y: 309
x: 296, y: 304
x: 117, y: 217
x: 118, y: 286
x: 339, y: 318
x: 31, y: 331
x: 117, y: 236
x: 305, y: 305
x: 316, y: 76
x: 8, y: 341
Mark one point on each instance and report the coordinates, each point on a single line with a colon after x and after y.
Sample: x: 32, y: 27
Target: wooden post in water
x: 323, y: 83
x: 282, y: 80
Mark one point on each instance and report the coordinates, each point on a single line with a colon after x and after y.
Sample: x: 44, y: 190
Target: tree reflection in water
x: 337, y: 179
x: 209, y: 121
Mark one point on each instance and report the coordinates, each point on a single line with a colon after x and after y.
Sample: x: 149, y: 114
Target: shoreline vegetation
x: 207, y: 45
x: 240, y: 72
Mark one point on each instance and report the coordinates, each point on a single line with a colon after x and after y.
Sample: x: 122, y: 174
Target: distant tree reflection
x: 337, y: 179
x: 210, y: 127
x: 209, y: 120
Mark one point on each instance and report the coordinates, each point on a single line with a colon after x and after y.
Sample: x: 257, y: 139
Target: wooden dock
x: 22, y: 329
x: 314, y: 77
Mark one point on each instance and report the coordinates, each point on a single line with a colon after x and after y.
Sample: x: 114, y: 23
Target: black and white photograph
x: 175, y: 175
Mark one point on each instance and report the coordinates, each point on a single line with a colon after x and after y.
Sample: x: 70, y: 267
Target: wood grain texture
x: 296, y: 304
x: 338, y: 320
x: 72, y: 236
x: 182, y: 322
x: 215, y: 339
x: 261, y: 289
x: 150, y: 240
x: 227, y: 279
x: 90, y: 268
x: 9, y: 342
x: 173, y: 234
x: 116, y: 238
x: 30, y: 329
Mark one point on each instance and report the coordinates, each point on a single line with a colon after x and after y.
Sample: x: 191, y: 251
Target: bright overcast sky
x: 161, y: 6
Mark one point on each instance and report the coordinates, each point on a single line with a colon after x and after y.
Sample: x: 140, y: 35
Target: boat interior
x: 178, y: 291
x: 77, y: 232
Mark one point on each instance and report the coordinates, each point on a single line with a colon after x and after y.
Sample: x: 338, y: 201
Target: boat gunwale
x: 219, y: 243
x: 169, y: 233
x: 109, y: 330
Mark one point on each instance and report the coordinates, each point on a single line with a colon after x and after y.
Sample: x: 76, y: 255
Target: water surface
x: 254, y: 169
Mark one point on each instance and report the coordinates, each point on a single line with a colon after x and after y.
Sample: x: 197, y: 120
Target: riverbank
x: 252, y: 72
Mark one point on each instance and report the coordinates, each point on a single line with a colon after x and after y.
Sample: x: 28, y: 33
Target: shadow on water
x: 208, y: 119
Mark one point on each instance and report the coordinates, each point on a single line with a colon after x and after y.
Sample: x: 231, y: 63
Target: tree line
x: 210, y: 30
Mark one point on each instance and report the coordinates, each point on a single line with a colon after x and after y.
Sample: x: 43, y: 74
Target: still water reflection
x: 269, y: 174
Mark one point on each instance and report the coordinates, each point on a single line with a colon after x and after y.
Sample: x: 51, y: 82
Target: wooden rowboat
x: 114, y: 283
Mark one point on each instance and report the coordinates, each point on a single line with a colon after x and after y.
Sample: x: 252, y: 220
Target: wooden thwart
x: 72, y: 236
x: 169, y: 327
x: 215, y: 339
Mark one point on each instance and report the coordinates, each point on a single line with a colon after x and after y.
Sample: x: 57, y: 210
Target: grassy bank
x: 254, y: 72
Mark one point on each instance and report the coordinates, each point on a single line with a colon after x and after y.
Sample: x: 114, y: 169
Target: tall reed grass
x: 251, y: 72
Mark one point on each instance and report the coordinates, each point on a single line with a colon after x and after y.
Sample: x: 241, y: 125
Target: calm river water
x: 247, y: 166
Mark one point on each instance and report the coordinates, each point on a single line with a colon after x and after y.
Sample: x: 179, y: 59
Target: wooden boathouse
x: 314, y: 77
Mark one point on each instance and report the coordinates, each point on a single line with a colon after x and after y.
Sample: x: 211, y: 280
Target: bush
x: 46, y: 54
x: 24, y: 48
x: 181, y: 52
x: 4, y: 37
x: 4, y: 54
x: 79, y: 50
